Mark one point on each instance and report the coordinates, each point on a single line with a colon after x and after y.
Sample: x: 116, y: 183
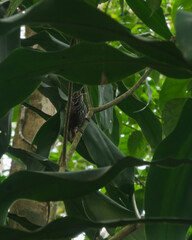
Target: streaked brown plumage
x: 77, y: 114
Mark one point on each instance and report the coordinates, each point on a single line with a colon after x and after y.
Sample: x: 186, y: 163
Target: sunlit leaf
x: 153, y: 19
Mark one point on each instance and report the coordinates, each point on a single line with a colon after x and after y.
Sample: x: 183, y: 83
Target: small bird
x: 77, y: 113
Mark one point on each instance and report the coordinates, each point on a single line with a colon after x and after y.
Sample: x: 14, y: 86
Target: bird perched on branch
x: 77, y: 113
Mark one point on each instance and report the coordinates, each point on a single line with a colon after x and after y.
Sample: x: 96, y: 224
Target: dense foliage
x: 134, y: 157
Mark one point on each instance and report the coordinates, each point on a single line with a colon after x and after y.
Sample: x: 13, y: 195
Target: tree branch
x: 124, y: 232
x: 123, y: 96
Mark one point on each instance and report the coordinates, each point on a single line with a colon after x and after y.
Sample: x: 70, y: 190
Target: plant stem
x: 124, y: 232
x: 62, y: 158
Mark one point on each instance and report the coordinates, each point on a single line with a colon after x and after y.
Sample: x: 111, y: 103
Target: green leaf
x: 74, y: 207
x: 137, y: 235
x: 180, y: 4
x: 114, y: 136
x: 171, y: 113
x: 94, y: 64
x: 3, y: 8
x: 64, y: 12
x: 99, y: 207
x: 58, y: 229
x: 50, y: 88
x: 24, y: 222
x: 183, y: 25
x: 136, y: 144
x: 46, y: 186
x: 68, y: 227
x: 36, y: 110
x: 5, y: 132
x: 45, y: 40
x: 14, y: 4
x: 153, y: 19
x: 106, y: 95
x: 148, y: 122
x: 105, y: 154
x: 100, y: 28
x: 154, y: 5
x: 47, y: 135
x: 33, y: 161
x: 167, y: 189
x: 178, y: 144
x: 7, y: 44
x: 173, y: 88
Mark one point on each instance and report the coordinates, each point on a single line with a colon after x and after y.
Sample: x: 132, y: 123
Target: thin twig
x: 139, y: 181
x: 62, y: 158
x: 123, y: 96
x: 106, y: 9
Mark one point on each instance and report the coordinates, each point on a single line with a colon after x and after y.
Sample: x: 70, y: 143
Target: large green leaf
x: 171, y: 113
x: 180, y: 4
x: 87, y: 23
x: 76, y: 21
x: 173, y: 88
x: 99, y: 207
x: 13, y: 6
x: 69, y: 227
x: 137, y: 235
x: 7, y: 44
x: 183, y: 25
x: 33, y: 161
x: 94, y: 64
x: 47, y: 134
x: 50, y: 88
x: 70, y: 20
x: 58, y: 229
x: 136, y: 144
x: 106, y: 95
x: 46, y: 186
x: 105, y: 154
x: 154, y: 20
x: 148, y: 122
x: 45, y: 40
x: 168, y: 192
x: 74, y: 207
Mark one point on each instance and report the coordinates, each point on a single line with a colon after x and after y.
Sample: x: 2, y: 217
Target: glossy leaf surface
x: 169, y: 199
